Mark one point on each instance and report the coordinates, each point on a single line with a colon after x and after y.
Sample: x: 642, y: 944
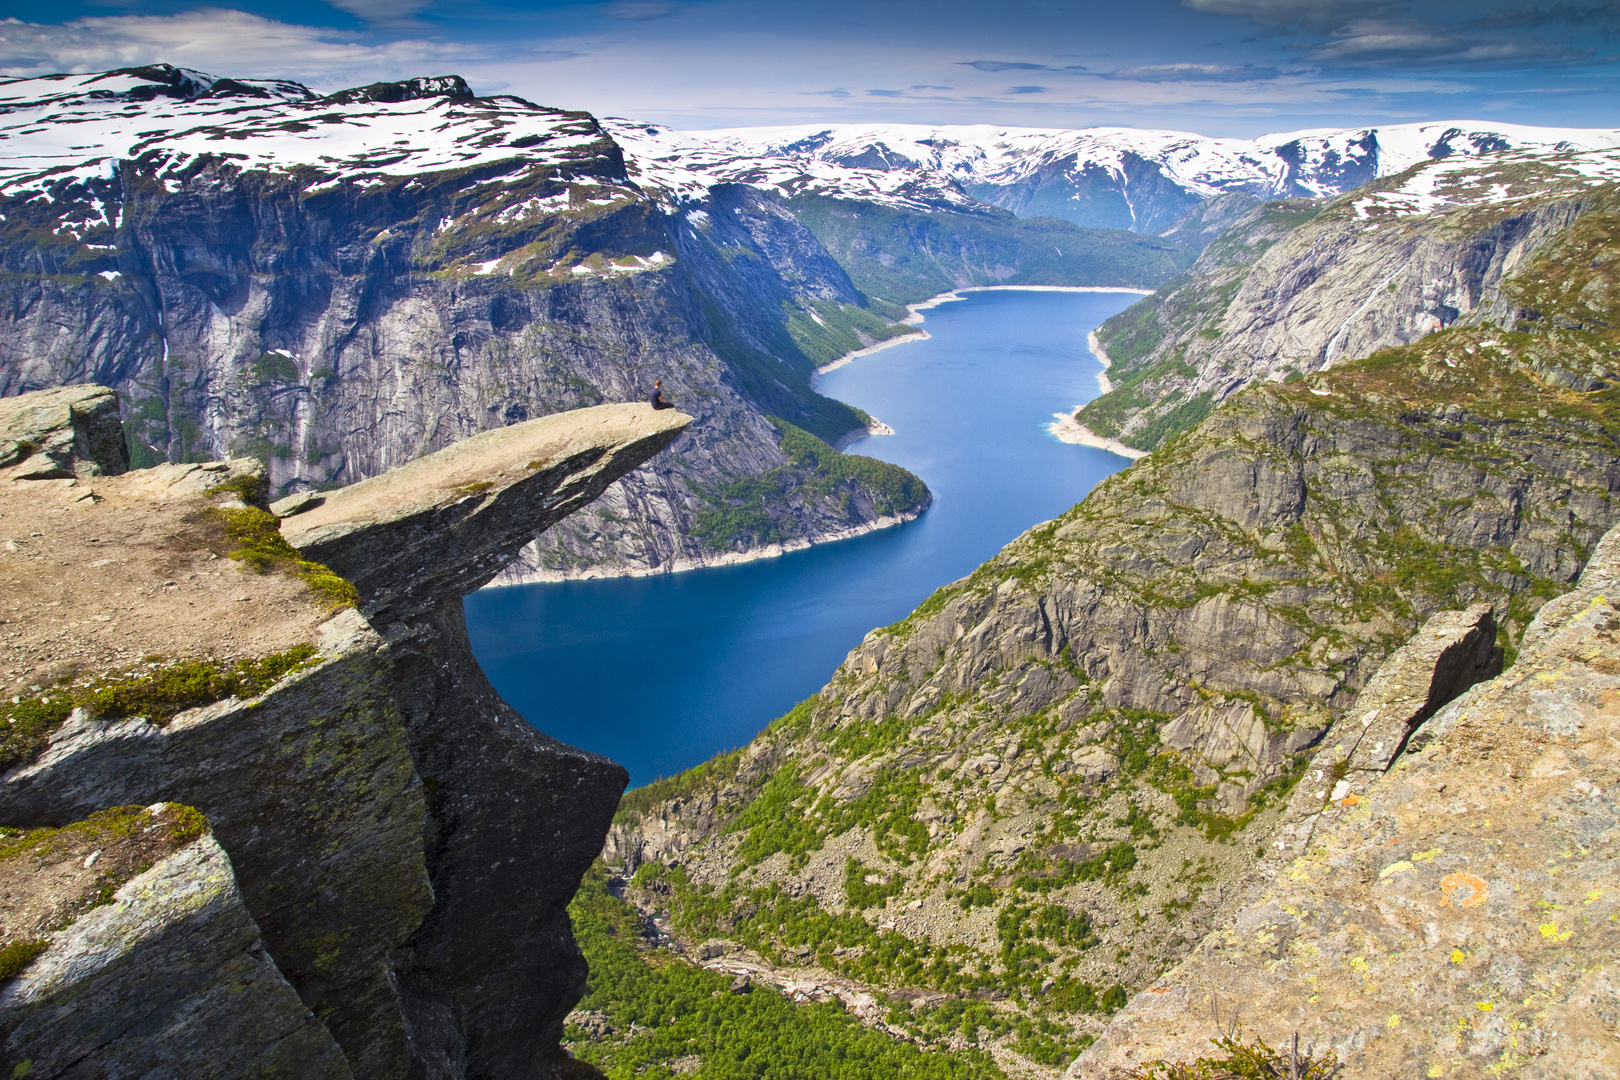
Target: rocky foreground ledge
x: 266, y: 815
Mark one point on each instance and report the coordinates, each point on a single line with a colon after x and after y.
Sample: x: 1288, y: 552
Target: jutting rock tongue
x: 514, y: 817
x: 400, y: 842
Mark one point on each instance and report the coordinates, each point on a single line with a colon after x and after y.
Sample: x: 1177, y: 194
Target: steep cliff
x: 1060, y: 772
x: 1297, y: 286
x: 401, y: 845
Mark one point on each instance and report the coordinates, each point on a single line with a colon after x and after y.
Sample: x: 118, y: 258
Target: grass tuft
x: 259, y: 543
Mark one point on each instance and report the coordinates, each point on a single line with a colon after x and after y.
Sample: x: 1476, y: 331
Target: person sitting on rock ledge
x: 657, y: 398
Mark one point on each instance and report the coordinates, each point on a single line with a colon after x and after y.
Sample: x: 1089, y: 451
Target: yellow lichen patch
x: 1394, y: 1021
x: 1551, y: 932
x: 1594, y: 896
x: 1394, y: 868
x: 1458, y: 956
x: 1484, y: 1006
x: 1426, y: 856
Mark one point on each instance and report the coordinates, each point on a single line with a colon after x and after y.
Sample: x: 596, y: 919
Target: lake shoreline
x: 661, y: 670
x: 728, y: 558
x: 914, y: 316
x: 1070, y: 430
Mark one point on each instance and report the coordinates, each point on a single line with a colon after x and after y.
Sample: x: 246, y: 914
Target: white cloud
x: 641, y: 10
x: 220, y: 42
x: 1392, y: 42
x: 1195, y: 73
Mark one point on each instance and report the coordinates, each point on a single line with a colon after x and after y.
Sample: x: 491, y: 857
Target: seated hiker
x: 657, y: 398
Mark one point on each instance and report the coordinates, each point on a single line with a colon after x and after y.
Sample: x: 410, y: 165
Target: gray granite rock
x: 169, y: 979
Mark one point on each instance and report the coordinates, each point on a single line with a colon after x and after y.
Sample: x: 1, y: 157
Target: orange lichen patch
x: 1454, y: 884
x: 1350, y: 800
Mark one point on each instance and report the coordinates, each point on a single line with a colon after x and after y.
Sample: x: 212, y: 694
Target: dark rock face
x: 322, y: 822
x: 169, y: 979
x: 337, y: 329
x: 514, y: 818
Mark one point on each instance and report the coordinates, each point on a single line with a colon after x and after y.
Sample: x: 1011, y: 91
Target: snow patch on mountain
x: 1143, y: 178
x: 61, y: 131
x: 682, y: 166
x: 65, y: 128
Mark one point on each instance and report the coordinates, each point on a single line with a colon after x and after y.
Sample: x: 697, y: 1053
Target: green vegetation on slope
x: 1471, y: 465
x: 964, y: 810
x: 903, y: 256
x: 665, y: 1015
x: 158, y: 694
x: 750, y: 511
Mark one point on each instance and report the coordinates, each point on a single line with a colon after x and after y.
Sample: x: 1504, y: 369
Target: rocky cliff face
x: 401, y: 845
x: 1297, y: 286
x: 1450, y: 915
x: 1061, y: 772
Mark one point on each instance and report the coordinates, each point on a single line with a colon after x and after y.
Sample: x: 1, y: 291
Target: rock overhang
x: 441, y: 526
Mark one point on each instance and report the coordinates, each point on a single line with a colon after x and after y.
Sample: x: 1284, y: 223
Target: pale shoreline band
x: 1070, y: 430
x: 913, y: 317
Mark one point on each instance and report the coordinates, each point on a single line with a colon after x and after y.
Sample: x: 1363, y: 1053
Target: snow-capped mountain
x: 1101, y: 177
x: 682, y: 166
x: 65, y: 128
x: 62, y: 129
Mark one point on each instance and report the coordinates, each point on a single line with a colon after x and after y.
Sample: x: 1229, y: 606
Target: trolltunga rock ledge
x: 403, y: 843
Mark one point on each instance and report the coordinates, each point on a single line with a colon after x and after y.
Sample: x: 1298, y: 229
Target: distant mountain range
x: 1107, y: 178
x: 76, y: 127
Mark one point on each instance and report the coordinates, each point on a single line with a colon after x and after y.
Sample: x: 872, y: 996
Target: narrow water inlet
x: 661, y: 673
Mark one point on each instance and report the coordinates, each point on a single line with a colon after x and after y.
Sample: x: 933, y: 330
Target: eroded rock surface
x: 1457, y: 918
x: 169, y: 978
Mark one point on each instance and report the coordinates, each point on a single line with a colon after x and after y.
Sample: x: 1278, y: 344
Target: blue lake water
x: 661, y: 673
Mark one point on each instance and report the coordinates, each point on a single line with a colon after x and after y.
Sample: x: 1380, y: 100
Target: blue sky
x: 1220, y: 67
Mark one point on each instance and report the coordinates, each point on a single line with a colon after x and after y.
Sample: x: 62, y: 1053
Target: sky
x: 1235, y: 68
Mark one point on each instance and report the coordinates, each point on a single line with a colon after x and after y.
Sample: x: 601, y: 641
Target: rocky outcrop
x: 58, y: 434
x: 1452, y: 652
x: 1455, y: 917
x: 404, y: 841
x: 170, y: 977
x: 1297, y: 287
